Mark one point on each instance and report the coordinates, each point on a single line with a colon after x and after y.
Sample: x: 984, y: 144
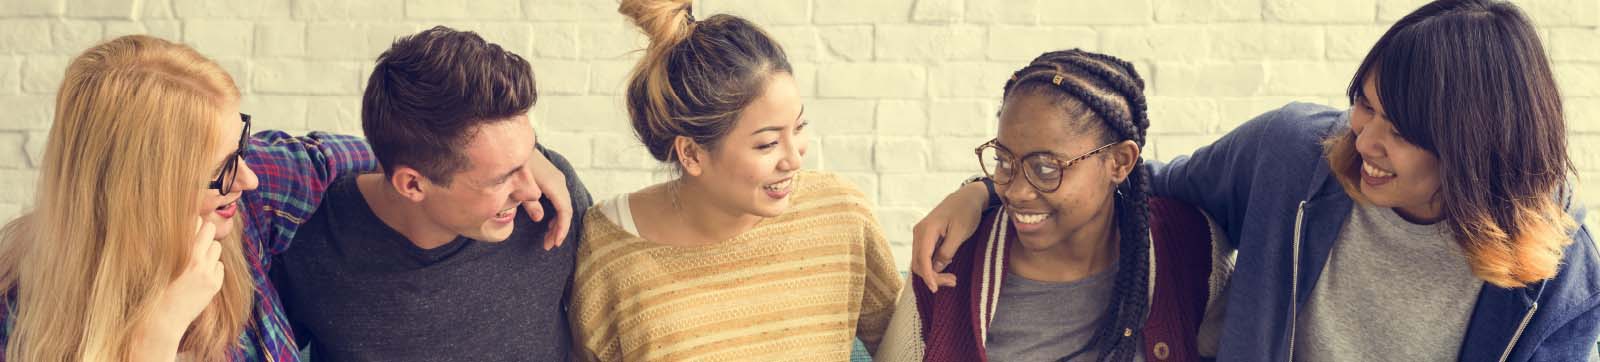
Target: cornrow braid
x: 1114, y: 92
x: 1126, y: 83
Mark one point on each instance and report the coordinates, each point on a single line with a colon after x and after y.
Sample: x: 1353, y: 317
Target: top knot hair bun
x: 666, y: 22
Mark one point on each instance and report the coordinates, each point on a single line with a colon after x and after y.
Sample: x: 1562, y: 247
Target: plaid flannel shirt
x: 293, y: 173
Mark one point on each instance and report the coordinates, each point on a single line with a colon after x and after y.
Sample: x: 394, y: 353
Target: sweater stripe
x: 799, y: 286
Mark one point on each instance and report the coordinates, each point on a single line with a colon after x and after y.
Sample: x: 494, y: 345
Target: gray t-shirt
x: 354, y: 289
x: 1043, y: 321
x: 1391, y: 291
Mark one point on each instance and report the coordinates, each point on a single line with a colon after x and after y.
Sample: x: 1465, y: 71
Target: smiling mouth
x: 1373, y: 171
x: 1029, y: 218
x: 506, y: 213
x: 779, y: 186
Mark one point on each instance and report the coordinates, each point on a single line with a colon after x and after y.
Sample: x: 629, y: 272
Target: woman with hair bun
x: 744, y: 256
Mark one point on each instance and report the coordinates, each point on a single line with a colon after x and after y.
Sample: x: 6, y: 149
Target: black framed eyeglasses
x: 1042, y: 169
x: 230, y: 170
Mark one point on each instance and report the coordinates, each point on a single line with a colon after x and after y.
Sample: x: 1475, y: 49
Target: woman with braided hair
x: 1062, y: 271
x: 1431, y: 221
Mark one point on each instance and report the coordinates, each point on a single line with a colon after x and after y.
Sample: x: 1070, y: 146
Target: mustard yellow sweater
x: 798, y: 286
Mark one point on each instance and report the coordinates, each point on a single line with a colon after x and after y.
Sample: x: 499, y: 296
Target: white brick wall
x: 899, y: 91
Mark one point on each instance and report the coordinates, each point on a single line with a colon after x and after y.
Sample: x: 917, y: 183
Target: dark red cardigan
x: 1182, y: 240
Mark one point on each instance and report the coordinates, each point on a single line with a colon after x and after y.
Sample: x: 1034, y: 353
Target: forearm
x: 979, y: 193
x: 342, y: 155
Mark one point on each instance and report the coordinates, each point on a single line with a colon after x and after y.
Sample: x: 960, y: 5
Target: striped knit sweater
x: 800, y: 286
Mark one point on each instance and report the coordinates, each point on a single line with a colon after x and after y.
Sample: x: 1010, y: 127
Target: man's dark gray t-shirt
x: 357, y: 290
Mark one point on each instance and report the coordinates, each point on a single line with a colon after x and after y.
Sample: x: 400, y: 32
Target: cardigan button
x: 1162, y: 351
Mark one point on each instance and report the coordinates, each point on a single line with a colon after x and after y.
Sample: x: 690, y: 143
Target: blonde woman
x: 158, y: 214
x: 146, y: 242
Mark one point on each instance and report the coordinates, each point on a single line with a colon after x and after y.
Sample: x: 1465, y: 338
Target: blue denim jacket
x: 1274, y: 194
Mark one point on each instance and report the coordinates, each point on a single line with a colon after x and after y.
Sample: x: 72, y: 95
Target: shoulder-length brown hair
x: 1469, y: 81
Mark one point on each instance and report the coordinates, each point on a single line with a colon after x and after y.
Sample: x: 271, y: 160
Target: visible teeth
x: 506, y: 212
x: 1029, y: 218
x: 1374, y: 171
x: 779, y: 186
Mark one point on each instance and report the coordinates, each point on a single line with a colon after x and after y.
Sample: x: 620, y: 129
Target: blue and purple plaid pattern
x: 294, y: 171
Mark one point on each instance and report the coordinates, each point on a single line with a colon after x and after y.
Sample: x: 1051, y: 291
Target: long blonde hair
x: 114, y: 219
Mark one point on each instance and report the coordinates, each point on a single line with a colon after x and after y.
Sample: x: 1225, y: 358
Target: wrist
x: 157, y: 331
x: 155, y: 342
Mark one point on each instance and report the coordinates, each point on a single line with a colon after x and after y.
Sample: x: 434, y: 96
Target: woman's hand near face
x: 935, y: 239
x: 184, y: 298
